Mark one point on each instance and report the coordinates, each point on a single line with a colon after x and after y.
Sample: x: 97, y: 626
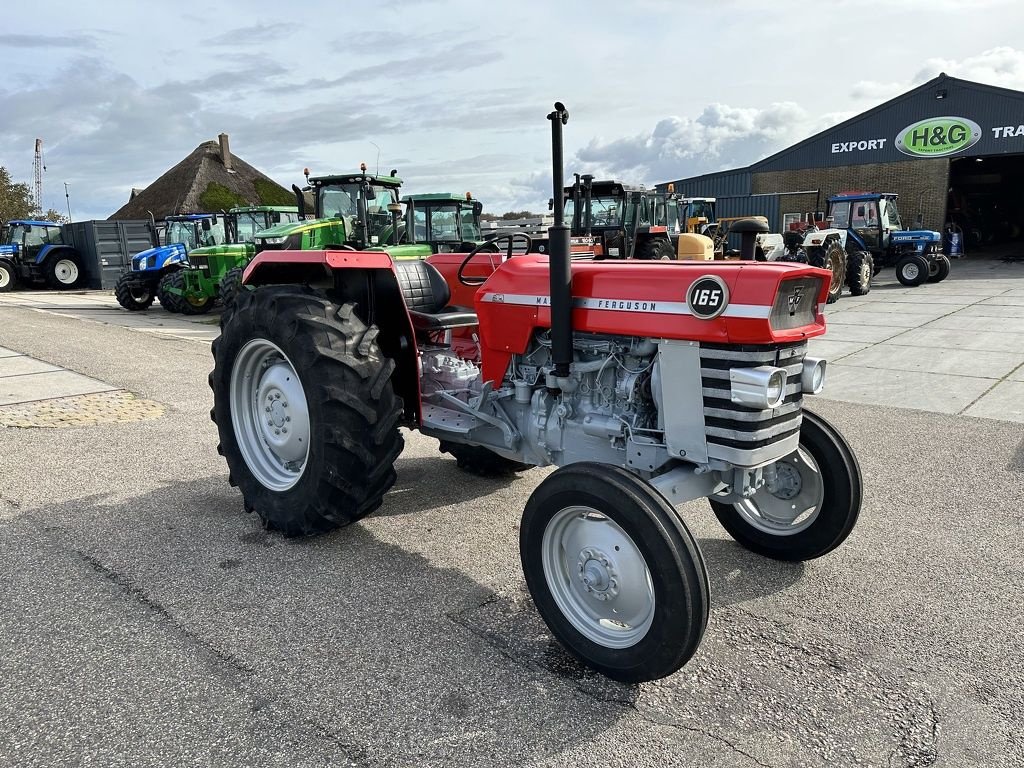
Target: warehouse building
x: 952, y: 149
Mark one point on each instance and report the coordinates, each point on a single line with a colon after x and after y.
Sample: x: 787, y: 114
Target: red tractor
x: 648, y: 384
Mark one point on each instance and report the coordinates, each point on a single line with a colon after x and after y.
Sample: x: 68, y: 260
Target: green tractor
x: 215, y: 272
x: 350, y: 212
x: 447, y: 223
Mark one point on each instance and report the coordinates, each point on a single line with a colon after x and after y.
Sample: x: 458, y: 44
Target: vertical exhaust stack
x: 560, y: 266
x: 225, y: 151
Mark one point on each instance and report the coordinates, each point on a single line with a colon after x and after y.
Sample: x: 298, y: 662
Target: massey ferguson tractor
x: 647, y: 384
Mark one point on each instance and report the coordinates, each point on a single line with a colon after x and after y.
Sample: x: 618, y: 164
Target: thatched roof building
x: 209, y: 180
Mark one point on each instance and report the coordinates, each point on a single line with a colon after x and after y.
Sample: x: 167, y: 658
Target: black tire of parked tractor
x: 859, y: 271
x: 942, y: 269
x: 169, y: 301
x: 53, y: 270
x: 182, y: 303
x: 8, y: 276
x: 655, y: 249
x: 353, y: 410
x: 133, y: 295
x: 840, y: 508
x: 912, y: 270
x: 229, y: 286
x: 832, y: 257
x: 480, y: 461
x: 671, y: 553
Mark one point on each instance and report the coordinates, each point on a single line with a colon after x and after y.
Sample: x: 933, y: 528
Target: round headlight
x: 776, y: 390
x: 812, y: 378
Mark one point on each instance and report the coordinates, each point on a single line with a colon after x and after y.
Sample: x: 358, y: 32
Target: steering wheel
x: 485, y: 247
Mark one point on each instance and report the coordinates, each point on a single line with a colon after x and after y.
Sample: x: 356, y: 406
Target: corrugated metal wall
x: 724, y: 184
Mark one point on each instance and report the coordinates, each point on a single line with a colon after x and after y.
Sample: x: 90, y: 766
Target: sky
x: 453, y: 94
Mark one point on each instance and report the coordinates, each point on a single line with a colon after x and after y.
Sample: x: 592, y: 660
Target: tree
x: 16, y: 202
x: 15, y: 199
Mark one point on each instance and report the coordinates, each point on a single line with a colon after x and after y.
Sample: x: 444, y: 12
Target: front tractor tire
x: 614, y: 572
x: 304, y: 406
x: 832, y: 257
x: 912, y: 270
x: 229, y: 286
x: 132, y: 294
x: 939, y: 268
x: 859, y: 271
x: 172, y: 286
x: 813, y: 506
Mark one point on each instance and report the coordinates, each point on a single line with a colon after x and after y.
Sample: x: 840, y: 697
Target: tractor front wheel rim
x: 794, y: 501
x: 270, y: 414
x: 598, y: 577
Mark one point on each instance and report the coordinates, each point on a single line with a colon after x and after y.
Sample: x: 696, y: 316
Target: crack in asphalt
x: 125, y: 584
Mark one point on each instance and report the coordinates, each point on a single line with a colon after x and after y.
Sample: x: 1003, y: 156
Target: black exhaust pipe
x: 300, y: 202
x: 560, y: 266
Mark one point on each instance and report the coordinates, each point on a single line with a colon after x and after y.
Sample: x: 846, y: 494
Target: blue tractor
x: 137, y: 287
x: 34, y: 251
x: 872, y: 224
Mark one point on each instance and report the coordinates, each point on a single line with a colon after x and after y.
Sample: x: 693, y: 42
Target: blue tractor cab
x: 872, y: 223
x: 32, y: 250
x: 183, y: 233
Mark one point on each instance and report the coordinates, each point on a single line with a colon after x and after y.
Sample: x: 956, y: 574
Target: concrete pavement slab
x: 21, y: 364
x: 940, y: 393
x: 960, y: 322
x: 887, y: 319
x: 860, y: 332
x: 918, y: 309
x: 941, y: 339
x: 833, y: 350
x: 42, y: 386
x: 1003, y: 301
x: 934, y: 298
x: 8, y: 352
x: 894, y: 355
x: 1005, y: 402
x: 991, y: 310
x: 1017, y: 375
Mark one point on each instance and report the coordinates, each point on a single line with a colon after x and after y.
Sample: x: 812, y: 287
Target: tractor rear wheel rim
x: 795, y: 502
x: 598, y: 577
x: 66, y: 271
x: 5, y: 277
x: 269, y: 414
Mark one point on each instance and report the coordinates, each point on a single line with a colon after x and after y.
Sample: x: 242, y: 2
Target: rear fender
x: 366, y: 278
x: 54, y: 251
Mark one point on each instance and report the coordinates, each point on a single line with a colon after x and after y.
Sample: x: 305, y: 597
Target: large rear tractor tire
x: 63, y: 272
x: 832, y: 257
x: 813, y: 506
x: 614, y: 572
x: 8, y: 276
x: 307, y: 416
x: 859, y: 271
x: 188, y: 304
x: 942, y: 266
x: 912, y: 270
x: 655, y: 249
x: 480, y: 461
x: 132, y: 294
x: 229, y: 286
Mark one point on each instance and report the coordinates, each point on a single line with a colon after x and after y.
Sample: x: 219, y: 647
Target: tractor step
x: 447, y: 420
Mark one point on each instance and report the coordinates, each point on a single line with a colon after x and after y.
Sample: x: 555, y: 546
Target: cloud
x: 47, y: 41
x: 257, y: 33
x: 722, y: 136
x: 1002, y: 66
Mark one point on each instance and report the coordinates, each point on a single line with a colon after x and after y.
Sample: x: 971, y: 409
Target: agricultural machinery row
x: 646, y: 382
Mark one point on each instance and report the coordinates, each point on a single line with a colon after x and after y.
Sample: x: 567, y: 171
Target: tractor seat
x: 426, y: 296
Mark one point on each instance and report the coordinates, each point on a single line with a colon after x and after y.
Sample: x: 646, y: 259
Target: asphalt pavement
x: 146, y: 619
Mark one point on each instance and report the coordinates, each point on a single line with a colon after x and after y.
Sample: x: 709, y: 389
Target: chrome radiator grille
x: 739, y: 434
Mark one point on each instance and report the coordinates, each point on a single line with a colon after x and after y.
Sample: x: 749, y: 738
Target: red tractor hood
x: 647, y: 299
